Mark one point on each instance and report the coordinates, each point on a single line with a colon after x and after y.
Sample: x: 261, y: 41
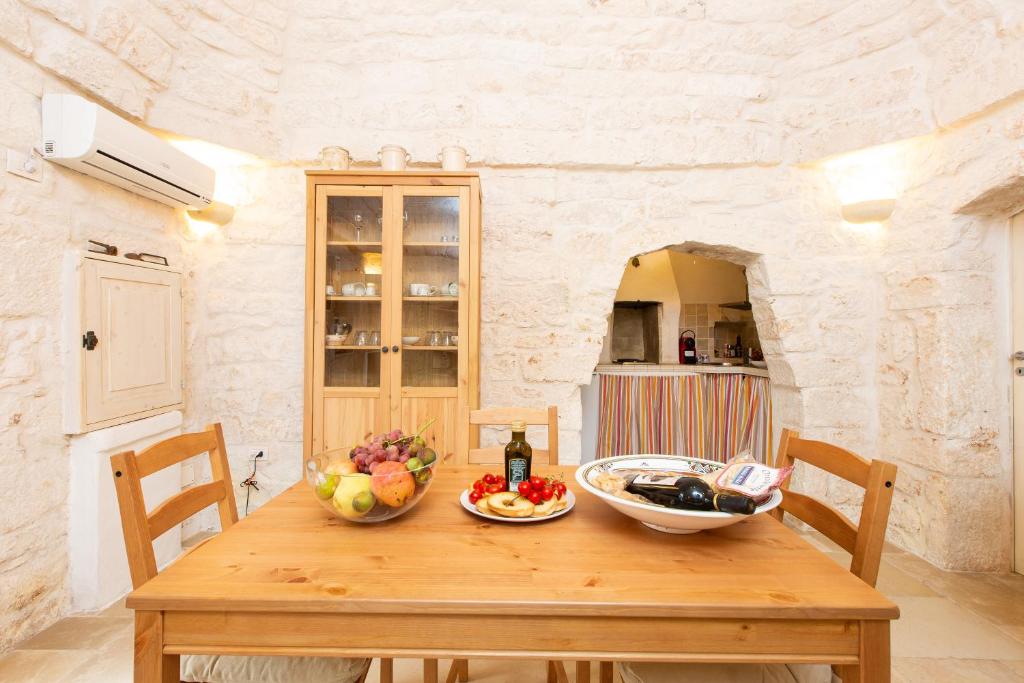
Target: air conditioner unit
x: 88, y: 138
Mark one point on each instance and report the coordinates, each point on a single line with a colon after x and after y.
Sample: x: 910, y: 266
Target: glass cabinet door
x: 433, y: 224
x: 352, y: 287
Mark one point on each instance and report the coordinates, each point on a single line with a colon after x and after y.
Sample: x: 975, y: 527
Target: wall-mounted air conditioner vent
x: 88, y: 138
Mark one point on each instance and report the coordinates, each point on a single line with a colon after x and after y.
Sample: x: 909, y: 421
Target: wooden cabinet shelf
x: 399, y: 220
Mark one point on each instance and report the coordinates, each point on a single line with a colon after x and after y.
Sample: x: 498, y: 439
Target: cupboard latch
x: 90, y: 340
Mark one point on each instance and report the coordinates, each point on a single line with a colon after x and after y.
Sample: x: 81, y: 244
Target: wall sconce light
x: 870, y: 211
x: 218, y: 213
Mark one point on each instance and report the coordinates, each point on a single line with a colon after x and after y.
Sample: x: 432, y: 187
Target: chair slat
x: 822, y: 517
x: 496, y: 455
x: 506, y: 416
x: 874, y: 518
x: 173, y: 450
x: 176, y: 510
x: 838, y: 461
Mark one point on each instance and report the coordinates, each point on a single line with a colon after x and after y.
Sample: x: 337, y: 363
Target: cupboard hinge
x: 90, y: 340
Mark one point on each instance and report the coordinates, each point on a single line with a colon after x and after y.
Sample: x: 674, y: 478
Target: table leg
x: 582, y: 672
x: 429, y: 671
x: 875, y: 665
x: 151, y: 664
x: 552, y: 674
x: 387, y: 670
x: 463, y: 670
x: 607, y: 672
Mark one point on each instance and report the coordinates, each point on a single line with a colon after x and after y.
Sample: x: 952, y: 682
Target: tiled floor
x: 954, y: 627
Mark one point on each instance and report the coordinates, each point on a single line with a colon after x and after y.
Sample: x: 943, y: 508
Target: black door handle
x: 383, y: 349
x: 90, y: 340
x: 395, y: 349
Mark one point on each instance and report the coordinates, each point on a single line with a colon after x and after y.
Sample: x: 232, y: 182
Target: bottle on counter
x: 518, y: 457
x: 686, y: 493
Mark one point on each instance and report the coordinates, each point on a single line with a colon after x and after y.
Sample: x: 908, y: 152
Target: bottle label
x: 689, y: 353
x: 655, y: 479
x: 517, y: 472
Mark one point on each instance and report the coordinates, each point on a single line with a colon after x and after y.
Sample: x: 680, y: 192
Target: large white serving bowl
x: 664, y: 519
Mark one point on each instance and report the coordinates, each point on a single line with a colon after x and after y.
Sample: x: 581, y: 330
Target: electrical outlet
x: 256, y: 451
x: 25, y: 165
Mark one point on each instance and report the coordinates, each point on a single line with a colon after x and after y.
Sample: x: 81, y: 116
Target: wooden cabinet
x: 123, y: 356
x: 393, y: 300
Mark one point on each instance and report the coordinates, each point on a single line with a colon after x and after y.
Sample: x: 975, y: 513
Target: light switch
x: 25, y: 165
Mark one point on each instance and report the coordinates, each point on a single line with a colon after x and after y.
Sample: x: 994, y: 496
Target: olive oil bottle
x: 518, y: 457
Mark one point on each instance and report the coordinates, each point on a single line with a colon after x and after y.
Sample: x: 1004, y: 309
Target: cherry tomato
x: 475, y: 496
x: 489, y: 478
x: 478, y: 485
x: 534, y: 497
x: 524, y: 488
x: 536, y: 483
x: 547, y: 493
x: 501, y: 481
x: 559, y: 489
x: 494, y: 488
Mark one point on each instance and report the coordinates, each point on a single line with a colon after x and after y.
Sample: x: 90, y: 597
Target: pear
x: 353, y: 497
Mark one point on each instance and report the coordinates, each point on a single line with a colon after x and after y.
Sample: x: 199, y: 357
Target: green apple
x: 326, y: 485
x: 352, y: 497
x: 413, y: 464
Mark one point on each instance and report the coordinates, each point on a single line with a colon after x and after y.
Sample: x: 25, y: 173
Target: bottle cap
x: 518, y: 426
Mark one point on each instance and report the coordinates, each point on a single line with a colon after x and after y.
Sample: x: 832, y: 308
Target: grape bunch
x: 393, y: 446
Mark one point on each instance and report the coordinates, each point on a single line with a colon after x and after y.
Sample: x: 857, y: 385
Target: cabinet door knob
x: 394, y: 348
x: 383, y: 349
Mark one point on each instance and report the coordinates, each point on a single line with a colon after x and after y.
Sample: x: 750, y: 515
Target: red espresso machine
x: 688, y: 348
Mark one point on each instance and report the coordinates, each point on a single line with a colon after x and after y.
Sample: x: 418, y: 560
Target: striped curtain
x: 713, y: 416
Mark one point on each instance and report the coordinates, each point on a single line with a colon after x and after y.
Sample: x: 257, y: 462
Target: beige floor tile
x: 938, y: 626
x: 116, y: 611
x: 997, y: 597
x: 918, y: 670
x: 40, y: 666
x: 76, y: 633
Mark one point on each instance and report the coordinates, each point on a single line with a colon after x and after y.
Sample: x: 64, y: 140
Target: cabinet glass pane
x: 430, y: 292
x: 353, y: 303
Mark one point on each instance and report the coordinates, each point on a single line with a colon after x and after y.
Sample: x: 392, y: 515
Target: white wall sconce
x: 870, y: 211
x: 217, y: 213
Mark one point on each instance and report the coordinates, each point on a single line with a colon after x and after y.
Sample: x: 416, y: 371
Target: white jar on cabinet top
x: 453, y: 158
x: 393, y: 157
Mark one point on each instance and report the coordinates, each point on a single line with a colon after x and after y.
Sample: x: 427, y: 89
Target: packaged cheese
x: 748, y: 478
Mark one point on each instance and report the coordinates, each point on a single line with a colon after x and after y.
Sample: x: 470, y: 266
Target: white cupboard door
x: 134, y: 365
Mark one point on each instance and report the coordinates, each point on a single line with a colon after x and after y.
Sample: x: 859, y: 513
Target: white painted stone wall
x: 602, y: 129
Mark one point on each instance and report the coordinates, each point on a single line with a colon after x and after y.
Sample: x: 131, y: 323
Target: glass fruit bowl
x: 374, y: 482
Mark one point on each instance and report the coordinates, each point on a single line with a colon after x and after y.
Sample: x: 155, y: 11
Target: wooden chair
x: 140, y: 529
x: 506, y: 416
x: 496, y: 454
x: 864, y: 541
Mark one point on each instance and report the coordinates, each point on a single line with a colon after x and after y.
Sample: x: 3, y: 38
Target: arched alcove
x: 748, y: 272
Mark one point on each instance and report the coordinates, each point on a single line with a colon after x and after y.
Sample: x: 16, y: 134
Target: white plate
x: 464, y: 499
x: 660, y: 518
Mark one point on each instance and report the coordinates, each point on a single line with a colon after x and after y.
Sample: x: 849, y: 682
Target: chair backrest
x: 141, y: 529
x: 506, y: 416
x: 863, y: 541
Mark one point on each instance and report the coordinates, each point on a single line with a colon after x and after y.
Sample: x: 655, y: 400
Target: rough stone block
x: 14, y: 26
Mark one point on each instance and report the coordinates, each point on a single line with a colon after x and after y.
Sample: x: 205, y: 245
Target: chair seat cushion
x: 644, y: 672
x: 231, y: 669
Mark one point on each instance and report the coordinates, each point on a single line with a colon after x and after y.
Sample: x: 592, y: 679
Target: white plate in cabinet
x: 122, y: 341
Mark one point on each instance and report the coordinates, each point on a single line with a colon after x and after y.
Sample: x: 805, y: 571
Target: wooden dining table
x: 440, y: 582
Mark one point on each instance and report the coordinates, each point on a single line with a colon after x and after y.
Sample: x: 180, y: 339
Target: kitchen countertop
x: 677, y: 369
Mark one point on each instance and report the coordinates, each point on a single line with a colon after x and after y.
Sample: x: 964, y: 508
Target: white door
x: 131, y: 340
x: 1017, y: 333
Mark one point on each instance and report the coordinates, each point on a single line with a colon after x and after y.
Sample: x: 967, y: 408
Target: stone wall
x: 602, y: 129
